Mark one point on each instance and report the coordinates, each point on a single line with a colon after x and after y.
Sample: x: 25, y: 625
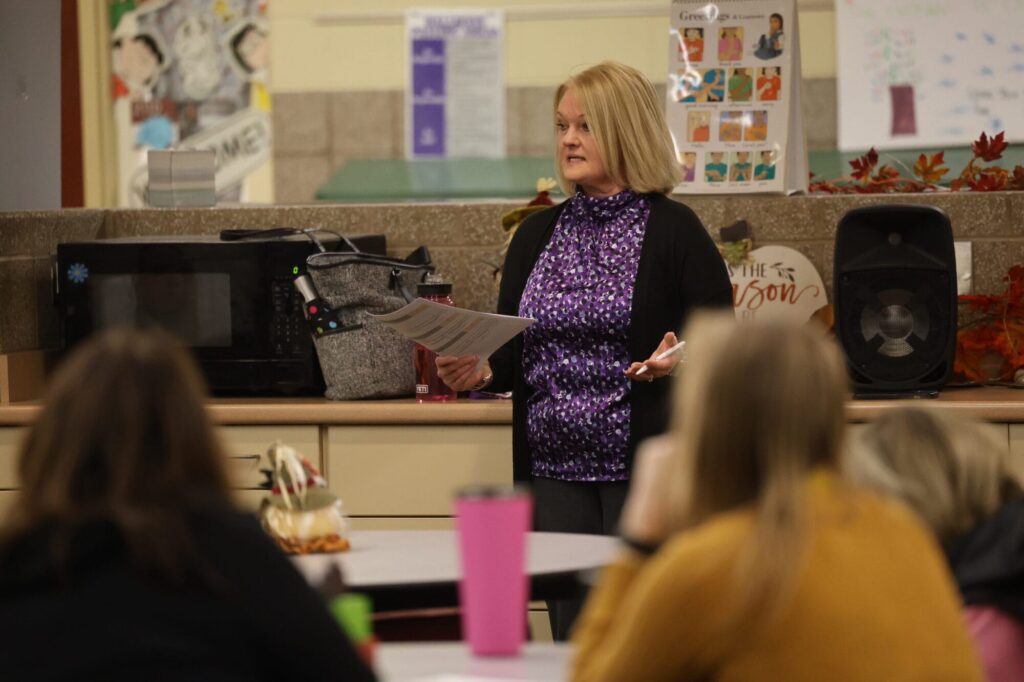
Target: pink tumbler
x: 492, y: 524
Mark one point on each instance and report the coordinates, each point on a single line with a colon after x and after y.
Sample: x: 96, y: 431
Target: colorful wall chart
x: 733, y: 85
x: 929, y: 73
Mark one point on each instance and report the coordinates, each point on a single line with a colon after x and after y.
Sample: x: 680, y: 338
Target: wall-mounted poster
x: 733, y: 96
x: 190, y: 74
x: 928, y: 74
x: 455, y: 91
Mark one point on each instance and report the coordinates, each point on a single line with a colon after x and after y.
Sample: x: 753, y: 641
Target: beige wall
x: 324, y: 45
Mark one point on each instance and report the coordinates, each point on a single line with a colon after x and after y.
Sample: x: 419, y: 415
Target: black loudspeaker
x: 895, y: 297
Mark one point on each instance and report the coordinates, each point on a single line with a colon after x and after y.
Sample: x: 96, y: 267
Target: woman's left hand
x: 656, y: 369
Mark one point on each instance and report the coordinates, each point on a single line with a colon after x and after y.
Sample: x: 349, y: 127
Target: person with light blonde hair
x: 609, y: 275
x: 955, y: 475
x: 746, y: 554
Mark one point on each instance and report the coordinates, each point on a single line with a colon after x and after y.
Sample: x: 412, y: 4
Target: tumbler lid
x: 490, y: 492
x: 433, y: 289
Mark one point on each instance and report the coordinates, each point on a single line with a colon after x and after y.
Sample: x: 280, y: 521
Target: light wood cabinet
x: 10, y: 441
x: 247, y: 446
x: 413, y: 470
x: 1016, y: 444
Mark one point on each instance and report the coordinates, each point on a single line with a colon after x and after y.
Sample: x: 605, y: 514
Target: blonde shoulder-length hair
x: 758, y: 406
x: 629, y: 126
x: 951, y: 471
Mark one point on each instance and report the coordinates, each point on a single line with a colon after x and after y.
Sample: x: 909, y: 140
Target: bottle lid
x: 433, y: 289
x: 354, y: 612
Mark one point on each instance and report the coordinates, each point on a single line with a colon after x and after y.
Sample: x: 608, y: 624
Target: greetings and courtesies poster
x: 455, y: 93
x: 190, y: 74
x: 928, y: 74
x: 732, y: 100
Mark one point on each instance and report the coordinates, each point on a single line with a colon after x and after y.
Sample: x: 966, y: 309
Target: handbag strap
x: 398, y: 283
x: 236, y: 235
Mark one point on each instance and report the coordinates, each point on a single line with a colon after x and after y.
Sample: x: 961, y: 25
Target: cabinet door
x: 10, y: 441
x: 413, y: 470
x: 1017, y: 450
x: 247, y: 449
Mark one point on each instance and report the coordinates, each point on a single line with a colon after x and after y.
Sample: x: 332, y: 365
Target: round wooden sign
x: 776, y: 283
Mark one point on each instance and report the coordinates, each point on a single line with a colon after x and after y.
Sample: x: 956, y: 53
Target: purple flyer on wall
x: 455, y: 94
x: 428, y: 98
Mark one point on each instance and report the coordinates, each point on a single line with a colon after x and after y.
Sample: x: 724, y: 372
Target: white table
x: 420, y: 568
x: 539, y: 662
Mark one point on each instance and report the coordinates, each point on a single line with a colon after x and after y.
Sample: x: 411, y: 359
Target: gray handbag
x: 361, y: 358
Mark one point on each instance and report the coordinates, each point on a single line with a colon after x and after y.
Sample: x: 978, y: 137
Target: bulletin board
x: 191, y: 75
x: 928, y: 73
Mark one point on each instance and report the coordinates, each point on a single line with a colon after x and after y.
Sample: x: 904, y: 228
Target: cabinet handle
x: 248, y: 458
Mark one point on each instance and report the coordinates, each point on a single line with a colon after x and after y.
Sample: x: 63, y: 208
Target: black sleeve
x: 705, y: 278
x: 298, y: 639
x: 513, y: 279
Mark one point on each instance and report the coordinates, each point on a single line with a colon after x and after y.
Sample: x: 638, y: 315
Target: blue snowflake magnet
x: 78, y: 273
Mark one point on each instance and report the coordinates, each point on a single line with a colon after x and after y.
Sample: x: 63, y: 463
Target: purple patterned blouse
x: 581, y: 293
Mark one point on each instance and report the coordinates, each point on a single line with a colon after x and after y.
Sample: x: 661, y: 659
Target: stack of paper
x: 181, y: 178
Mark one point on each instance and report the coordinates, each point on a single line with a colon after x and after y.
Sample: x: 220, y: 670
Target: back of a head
x: 123, y: 437
x: 628, y: 122
x: 759, y: 406
x: 949, y: 470
x: 758, y: 403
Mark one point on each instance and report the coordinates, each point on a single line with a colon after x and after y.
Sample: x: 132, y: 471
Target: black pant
x: 575, y: 507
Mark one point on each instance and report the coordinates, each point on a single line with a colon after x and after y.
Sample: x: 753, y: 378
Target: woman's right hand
x: 645, y: 514
x: 461, y: 372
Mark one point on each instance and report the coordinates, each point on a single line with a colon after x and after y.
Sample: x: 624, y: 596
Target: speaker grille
x: 897, y: 315
x: 895, y: 325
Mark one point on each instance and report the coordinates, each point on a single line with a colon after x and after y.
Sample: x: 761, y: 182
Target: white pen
x: 661, y: 356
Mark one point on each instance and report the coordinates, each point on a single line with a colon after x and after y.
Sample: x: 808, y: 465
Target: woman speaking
x: 609, y: 275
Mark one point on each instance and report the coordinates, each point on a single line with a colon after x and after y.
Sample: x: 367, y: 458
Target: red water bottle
x: 429, y: 387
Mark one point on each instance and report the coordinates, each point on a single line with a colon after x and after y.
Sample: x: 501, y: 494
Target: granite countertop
x: 995, y: 404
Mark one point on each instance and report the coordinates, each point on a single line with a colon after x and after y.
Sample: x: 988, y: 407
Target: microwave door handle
x: 54, y: 281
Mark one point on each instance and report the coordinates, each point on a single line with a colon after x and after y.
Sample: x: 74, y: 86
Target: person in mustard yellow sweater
x: 747, y: 556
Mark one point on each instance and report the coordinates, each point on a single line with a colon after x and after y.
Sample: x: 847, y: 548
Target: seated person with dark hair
x: 123, y: 556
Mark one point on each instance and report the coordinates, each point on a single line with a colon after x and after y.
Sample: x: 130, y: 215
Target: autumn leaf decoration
x: 990, y: 348
x: 863, y: 166
x: 988, y: 178
x: 928, y: 171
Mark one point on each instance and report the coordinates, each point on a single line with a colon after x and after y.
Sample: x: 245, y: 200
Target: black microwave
x: 232, y: 303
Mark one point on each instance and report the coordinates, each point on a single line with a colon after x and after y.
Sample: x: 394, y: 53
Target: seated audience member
x: 123, y: 556
x: 954, y: 475
x: 747, y: 556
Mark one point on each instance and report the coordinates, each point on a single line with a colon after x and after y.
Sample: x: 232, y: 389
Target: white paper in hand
x: 448, y: 330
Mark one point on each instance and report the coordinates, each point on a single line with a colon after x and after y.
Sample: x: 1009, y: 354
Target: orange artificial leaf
x: 886, y: 173
x: 930, y: 170
x: 863, y: 165
x: 990, y: 179
x: 989, y: 149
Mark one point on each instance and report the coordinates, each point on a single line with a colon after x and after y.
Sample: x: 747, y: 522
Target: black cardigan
x: 680, y: 269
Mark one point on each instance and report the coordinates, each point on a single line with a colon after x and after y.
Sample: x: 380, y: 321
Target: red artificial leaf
x: 863, y: 165
x: 990, y: 179
x: 886, y: 173
x: 1018, y: 177
x: 930, y: 170
x: 989, y: 149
